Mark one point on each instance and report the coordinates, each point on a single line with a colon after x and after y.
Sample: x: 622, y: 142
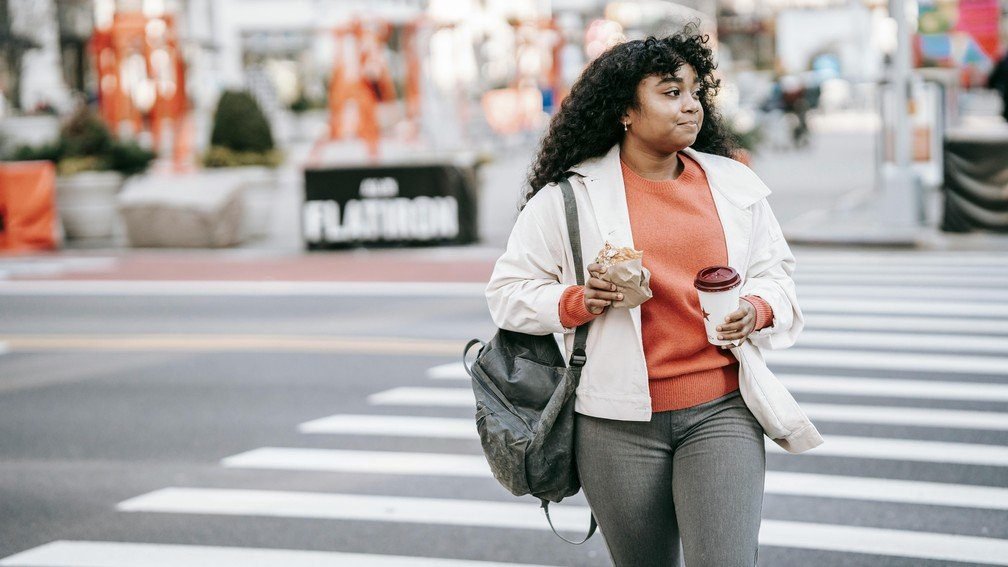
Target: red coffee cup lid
x: 716, y: 278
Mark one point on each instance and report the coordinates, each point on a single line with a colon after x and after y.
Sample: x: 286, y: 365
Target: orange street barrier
x: 28, y: 219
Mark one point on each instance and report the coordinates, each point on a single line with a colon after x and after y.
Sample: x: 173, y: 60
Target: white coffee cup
x: 718, y: 288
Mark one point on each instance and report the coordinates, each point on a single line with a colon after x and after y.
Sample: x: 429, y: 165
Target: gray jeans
x: 694, y: 474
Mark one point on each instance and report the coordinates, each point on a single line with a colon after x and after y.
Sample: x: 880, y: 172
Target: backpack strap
x: 578, y: 355
x: 591, y: 528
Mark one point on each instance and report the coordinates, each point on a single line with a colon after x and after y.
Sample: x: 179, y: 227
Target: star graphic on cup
x: 705, y: 315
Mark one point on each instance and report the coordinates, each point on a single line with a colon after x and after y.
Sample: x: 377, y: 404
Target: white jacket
x: 524, y: 291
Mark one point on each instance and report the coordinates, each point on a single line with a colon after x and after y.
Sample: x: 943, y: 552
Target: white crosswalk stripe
x: 908, y: 324
x: 525, y: 516
x: 796, y: 383
x: 116, y: 554
x: 778, y: 482
x: 950, y: 322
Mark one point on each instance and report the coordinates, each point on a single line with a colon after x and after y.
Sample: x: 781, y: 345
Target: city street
x: 233, y: 403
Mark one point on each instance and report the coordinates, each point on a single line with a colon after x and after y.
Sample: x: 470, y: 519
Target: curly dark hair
x: 588, y: 122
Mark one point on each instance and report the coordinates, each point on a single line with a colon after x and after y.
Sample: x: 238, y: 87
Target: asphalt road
x: 180, y: 420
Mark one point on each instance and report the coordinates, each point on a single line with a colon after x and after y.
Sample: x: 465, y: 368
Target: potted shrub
x: 91, y: 166
x: 242, y: 138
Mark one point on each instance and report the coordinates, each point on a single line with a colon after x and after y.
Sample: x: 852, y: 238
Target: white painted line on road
x: 886, y: 490
x: 402, y: 426
x: 911, y: 269
x: 777, y: 482
x: 796, y: 383
x: 883, y: 360
x: 520, y: 515
x: 252, y: 288
x: 900, y: 280
x: 914, y: 417
x: 890, y: 260
x: 878, y: 541
x: 234, y: 343
x: 862, y: 289
x: 121, y: 554
x: 835, y: 446
x: 905, y: 450
x: 414, y: 396
x: 407, y: 426
x: 896, y: 307
x: 895, y: 388
x: 450, y: 371
x: 914, y: 325
x: 283, y: 458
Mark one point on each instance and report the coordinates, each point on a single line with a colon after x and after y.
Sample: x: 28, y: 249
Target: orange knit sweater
x: 676, y: 224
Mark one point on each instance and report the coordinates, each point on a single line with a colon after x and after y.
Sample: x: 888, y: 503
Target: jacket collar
x: 736, y: 183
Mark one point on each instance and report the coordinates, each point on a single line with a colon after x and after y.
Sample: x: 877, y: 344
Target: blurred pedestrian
x: 795, y: 102
x: 668, y: 451
x: 998, y: 80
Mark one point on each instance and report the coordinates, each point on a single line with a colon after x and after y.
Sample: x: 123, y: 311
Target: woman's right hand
x: 598, y: 293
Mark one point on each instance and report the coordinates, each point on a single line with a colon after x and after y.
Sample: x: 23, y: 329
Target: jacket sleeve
x: 525, y: 288
x: 769, y: 276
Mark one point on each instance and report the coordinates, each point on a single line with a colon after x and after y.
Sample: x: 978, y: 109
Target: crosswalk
x: 908, y: 384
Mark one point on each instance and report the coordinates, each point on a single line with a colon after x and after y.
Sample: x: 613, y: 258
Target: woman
x: 669, y: 428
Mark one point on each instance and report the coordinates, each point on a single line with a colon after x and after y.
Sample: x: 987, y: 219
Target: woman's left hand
x: 738, y: 324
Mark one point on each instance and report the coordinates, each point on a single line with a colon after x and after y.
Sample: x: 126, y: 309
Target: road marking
x: 887, y: 490
x: 901, y: 279
x: 407, y: 426
x: 898, y: 261
x: 906, y: 450
x: 883, y: 360
x: 317, y: 505
x: 878, y: 541
x: 392, y: 425
x: 796, y: 383
x: 227, y: 343
x: 919, y: 417
x: 283, y: 458
x: 835, y: 446
x: 525, y: 515
x: 777, y: 482
x: 413, y: 396
x: 894, y: 388
x: 915, y: 269
x: 910, y: 307
x: 817, y: 321
x: 120, y: 554
x: 450, y: 371
x: 861, y: 289
x: 249, y: 288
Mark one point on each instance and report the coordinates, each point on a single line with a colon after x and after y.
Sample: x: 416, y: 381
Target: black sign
x: 410, y: 205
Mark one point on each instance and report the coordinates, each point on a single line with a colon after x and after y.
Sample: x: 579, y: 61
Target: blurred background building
x: 371, y: 81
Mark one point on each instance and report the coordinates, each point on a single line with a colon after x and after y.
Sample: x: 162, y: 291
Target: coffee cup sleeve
x: 631, y: 279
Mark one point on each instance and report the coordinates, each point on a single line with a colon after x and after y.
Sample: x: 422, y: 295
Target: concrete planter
x: 259, y: 185
x: 87, y: 204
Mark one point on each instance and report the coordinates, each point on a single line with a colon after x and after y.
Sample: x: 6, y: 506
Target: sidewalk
x: 813, y: 195
x: 451, y: 264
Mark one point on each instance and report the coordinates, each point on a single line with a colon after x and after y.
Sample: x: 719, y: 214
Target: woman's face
x: 669, y: 114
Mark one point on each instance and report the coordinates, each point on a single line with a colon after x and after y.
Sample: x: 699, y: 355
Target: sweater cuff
x: 573, y: 312
x: 764, y: 313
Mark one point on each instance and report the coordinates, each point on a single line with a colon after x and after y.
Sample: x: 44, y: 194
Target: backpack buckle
x: 578, y: 357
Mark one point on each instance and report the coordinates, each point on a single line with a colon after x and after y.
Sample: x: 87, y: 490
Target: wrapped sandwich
x: 625, y: 268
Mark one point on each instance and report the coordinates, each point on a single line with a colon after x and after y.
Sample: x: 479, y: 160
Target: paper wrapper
x: 625, y: 269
